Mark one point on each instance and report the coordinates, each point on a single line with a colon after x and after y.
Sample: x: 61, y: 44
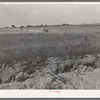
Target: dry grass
x: 28, y: 46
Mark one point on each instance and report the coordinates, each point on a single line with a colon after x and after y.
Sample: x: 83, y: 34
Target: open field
x: 73, y: 42
x: 54, y: 29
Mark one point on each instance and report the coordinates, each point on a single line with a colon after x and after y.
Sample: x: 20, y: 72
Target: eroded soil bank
x: 52, y: 73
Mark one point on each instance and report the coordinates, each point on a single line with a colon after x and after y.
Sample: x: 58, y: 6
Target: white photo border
x: 49, y: 93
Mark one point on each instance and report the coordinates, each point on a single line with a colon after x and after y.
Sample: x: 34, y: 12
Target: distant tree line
x: 13, y: 26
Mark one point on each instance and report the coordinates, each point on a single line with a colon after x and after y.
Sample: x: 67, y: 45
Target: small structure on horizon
x: 44, y: 29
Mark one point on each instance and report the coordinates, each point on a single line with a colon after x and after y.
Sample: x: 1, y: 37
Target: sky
x: 37, y: 14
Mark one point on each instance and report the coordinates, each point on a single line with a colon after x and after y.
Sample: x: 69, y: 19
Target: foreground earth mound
x: 52, y: 73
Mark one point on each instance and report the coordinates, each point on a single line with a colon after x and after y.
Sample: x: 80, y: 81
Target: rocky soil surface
x: 52, y: 73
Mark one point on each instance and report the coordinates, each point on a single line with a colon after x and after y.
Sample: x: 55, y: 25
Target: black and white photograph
x: 49, y: 46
